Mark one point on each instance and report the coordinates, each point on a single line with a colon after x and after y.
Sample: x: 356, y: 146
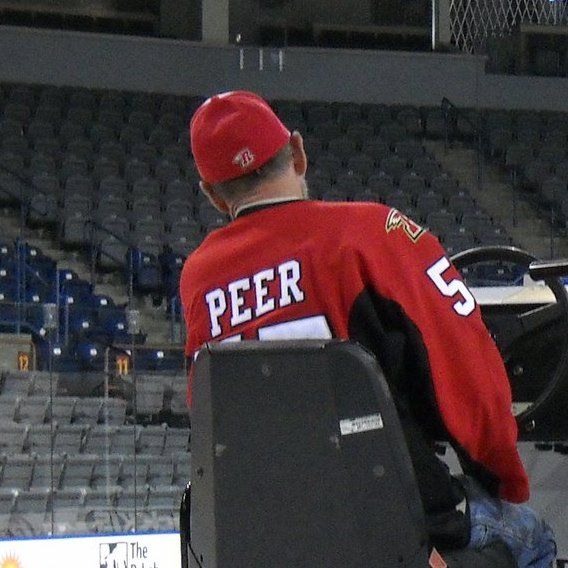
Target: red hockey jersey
x: 366, y: 272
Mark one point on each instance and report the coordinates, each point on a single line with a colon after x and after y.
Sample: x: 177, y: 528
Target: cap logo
x: 244, y: 158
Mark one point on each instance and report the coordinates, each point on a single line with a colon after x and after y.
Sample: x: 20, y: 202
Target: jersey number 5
x: 453, y: 288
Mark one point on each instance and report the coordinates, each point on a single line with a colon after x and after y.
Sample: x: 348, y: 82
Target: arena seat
x: 47, y: 470
x: 335, y: 490
x: 17, y: 471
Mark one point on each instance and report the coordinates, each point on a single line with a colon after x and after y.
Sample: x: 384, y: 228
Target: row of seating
x: 99, y: 439
x: 112, y: 510
x: 129, y: 220
x: 58, y: 471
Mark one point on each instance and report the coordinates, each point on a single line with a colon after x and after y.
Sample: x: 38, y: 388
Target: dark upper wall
x: 170, y: 66
x: 246, y: 15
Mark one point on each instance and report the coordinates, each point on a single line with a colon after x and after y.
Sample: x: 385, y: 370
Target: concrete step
x: 154, y: 320
x: 493, y: 191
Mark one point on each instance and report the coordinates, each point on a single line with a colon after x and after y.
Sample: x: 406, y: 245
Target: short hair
x: 248, y: 183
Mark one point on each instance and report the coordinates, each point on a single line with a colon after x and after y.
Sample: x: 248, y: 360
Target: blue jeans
x: 528, y: 536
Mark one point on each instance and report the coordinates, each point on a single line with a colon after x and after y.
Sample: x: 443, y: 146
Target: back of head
x: 234, y: 134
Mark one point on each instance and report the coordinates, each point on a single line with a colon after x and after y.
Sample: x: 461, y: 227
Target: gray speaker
x: 298, y: 459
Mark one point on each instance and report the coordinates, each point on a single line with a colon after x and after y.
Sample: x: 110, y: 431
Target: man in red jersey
x: 286, y: 267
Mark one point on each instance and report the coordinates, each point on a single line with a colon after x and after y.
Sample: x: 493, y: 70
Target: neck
x: 260, y: 202
x: 283, y: 189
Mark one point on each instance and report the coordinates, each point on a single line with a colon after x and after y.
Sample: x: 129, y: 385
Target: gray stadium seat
x: 476, y: 221
x: 348, y: 114
x: 166, y: 171
x: 145, y: 187
x: 461, y: 203
x: 361, y: 164
x: 142, y: 207
x: 61, y: 409
x: 135, y: 469
x: 376, y: 147
x: 135, y: 169
x: 427, y: 167
x: 71, y: 130
x: 7, y: 501
x: 149, y: 396
x: 412, y: 184
x: 178, y: 189
x: 178, y: 404
x: 47, y: 470
x: 98, y: 508
x: 151, y: 439
x: 69, y: 438
x: 160, y: 472
x: 409, y: 149
x: 99, y: 440
x: 393, y: 166
x: 326, y: 131
x: 87, y: 410
x: 427, y: 202
x: 113, y: 411
x: 17, y: 471
x: 13, y: 437
x: 31, y: 507
x: 9, y: 405
x: 44, y: 382
x: 444, y: 184
x: 164, y: 499
x: 76, y: 230
x: 382, y: 184
x: 78, y: 470
x: 334, y: 194
x: 441, y: 222
x: 73, y: 166
x: 133, y: 501
x: 341, y: 147
x: 125, y: 439
x: 554, y: 189
x: 458, y: 240
x: 112, y: 253
x: 392, y: 132
x: 106, y: 471
x: 359, y: 132
x: 318, y: 113
x: 177, y: 440
x: 347, y: 183
x: 561, y: 170
x: 41, y: 438
x: 33, y: 409
x: 67, y: 508
x: 367, y: 194
x: 110, y: 208
x: 517, y: 154
x: 182, y: 468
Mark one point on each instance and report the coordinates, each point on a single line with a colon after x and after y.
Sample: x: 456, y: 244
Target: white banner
x: 119, y: 551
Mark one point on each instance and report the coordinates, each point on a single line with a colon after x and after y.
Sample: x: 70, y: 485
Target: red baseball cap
x: 233, y: 134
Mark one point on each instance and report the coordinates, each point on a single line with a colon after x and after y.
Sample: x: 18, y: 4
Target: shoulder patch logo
x: 397, y: 220
x: 244, y: 158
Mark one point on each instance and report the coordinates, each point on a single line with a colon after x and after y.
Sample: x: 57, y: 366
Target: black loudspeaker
x: 298, y: 460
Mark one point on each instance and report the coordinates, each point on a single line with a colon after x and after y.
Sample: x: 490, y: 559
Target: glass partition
x: 94, y: 427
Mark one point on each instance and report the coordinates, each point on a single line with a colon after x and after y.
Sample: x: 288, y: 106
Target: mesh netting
x: 474, y: 21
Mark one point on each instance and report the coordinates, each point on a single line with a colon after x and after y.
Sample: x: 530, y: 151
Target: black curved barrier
x: 532, y: 336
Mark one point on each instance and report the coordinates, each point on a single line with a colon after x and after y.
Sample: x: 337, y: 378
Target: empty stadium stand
x: 94, y: 437
x: 77, y: 464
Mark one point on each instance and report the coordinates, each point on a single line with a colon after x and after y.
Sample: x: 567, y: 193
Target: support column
x: 215, y: 21
x: 441, y: 24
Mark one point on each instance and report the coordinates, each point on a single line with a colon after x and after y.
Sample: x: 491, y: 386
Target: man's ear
x: 298, y: 153
x: 214, y: 198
